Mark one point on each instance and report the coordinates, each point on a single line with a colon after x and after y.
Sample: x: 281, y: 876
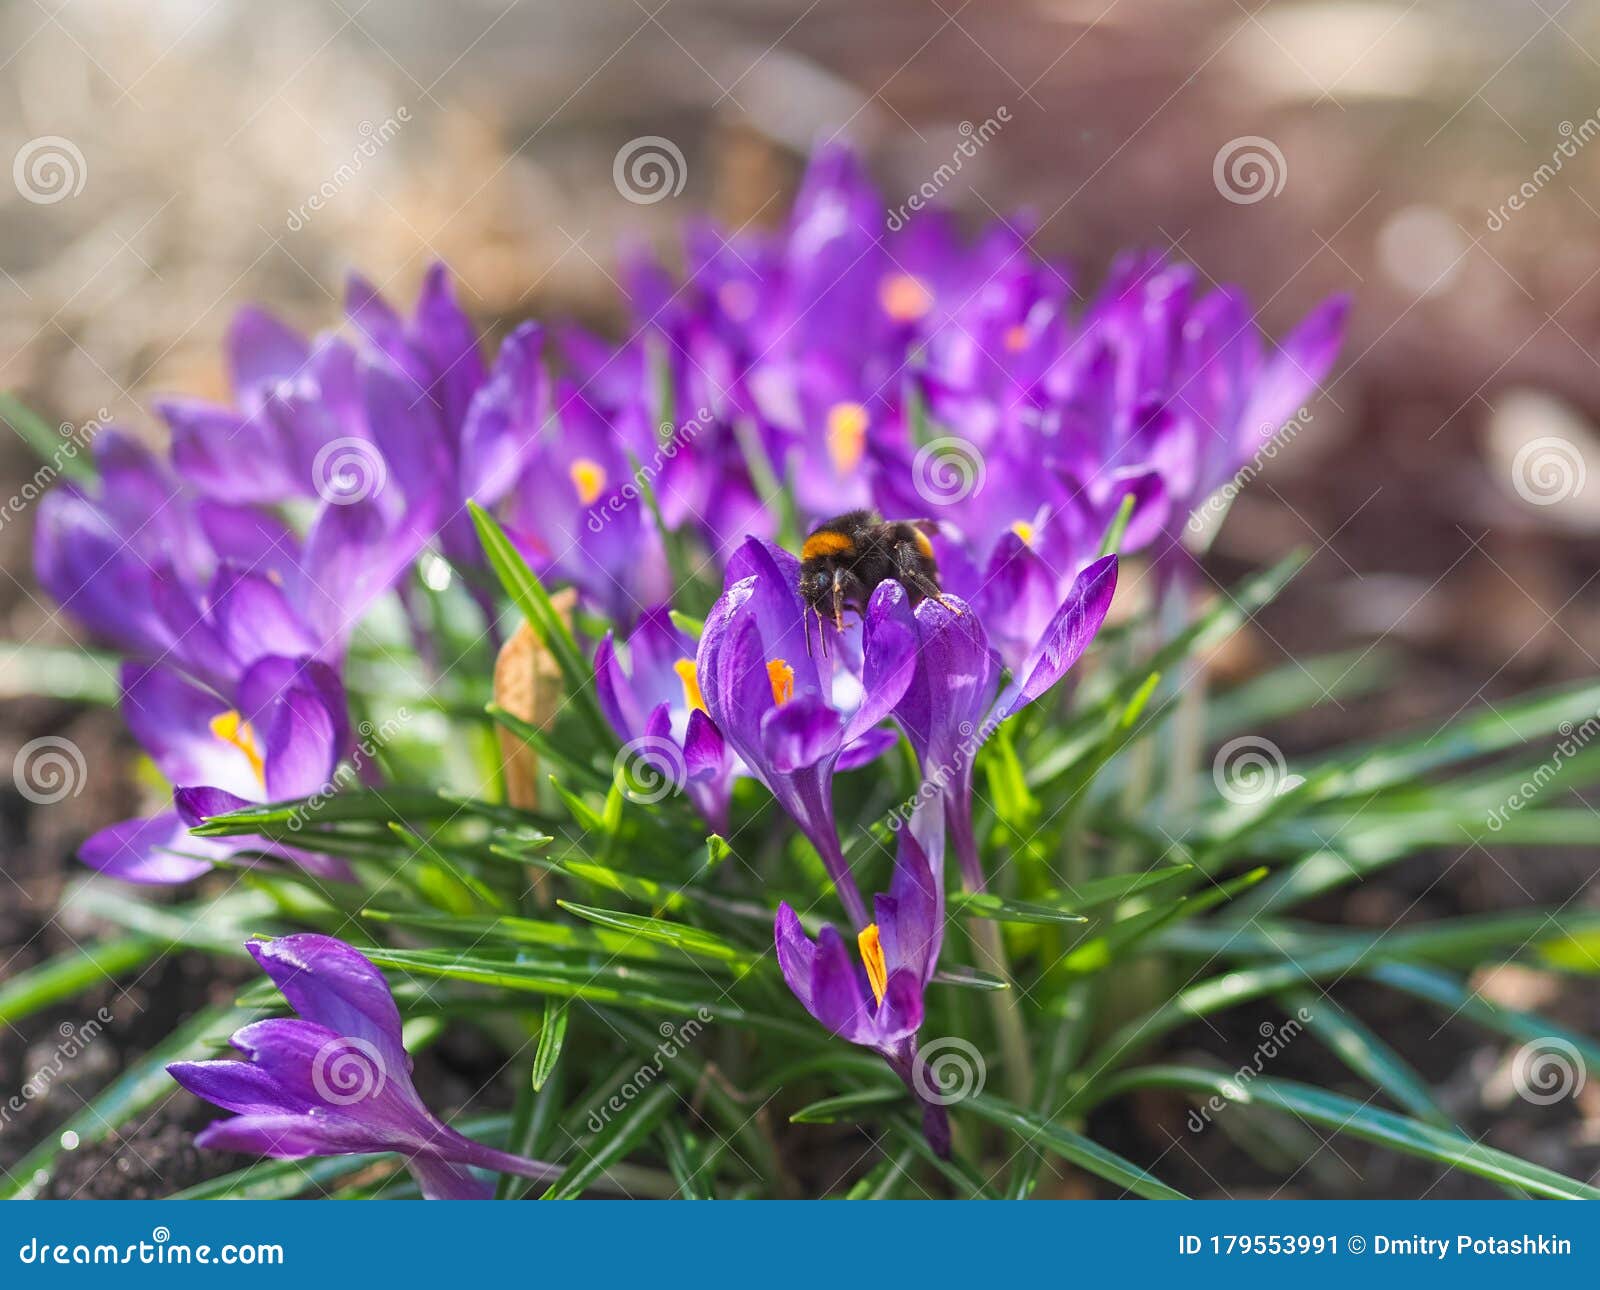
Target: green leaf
x: 552, y: 1034
x: 528, y: 593
x: 620, y: 1135
x: 843, y: 1106
x: 1353, y: 1043
x: 1084, y: 1152
x: 983, y: 904
x: 1343, y: 1115
x: 64, y: 453
x: 691, y: 940
x: 71, y: 973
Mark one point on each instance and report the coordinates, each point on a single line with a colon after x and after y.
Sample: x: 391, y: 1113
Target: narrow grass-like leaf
x: 72, y: 973
x: 552, y: 1035
x: 620, y: 1135
x: 1343, y: 1115
x: 1084, y: 1152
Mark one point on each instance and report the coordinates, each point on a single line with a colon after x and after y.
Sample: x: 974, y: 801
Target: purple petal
x: 334, y: 985
x: 135, y: 850
x: 262, y: 350
x: 1068, y: 635
x: 505, y: 418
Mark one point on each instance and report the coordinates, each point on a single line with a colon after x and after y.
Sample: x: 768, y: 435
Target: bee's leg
x: 822, y: 631
x: 908, y: 568
x: 805, y: 619
x: 838, y: 601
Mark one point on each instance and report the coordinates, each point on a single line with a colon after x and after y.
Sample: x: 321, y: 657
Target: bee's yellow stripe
x: 923, y: 545
x: 826, y: 543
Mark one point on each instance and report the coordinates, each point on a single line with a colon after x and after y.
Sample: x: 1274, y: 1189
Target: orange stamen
x: 684, y: 667
x: 235, y: 731
x: 589, y: 478
x: 872, y: 956
x: 781, y: 675
x: 847, y: 435
x: 904, y: 298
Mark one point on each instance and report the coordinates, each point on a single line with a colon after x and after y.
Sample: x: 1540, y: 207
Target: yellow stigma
x: 234, y: 730
x: 589, y: 478
x: 847, y: 435
x: 872, y: 956
x: 904, y: 298
x: 1016, y: 338
x: 684, y: 667
x: 782, y: 677
x: 1023, y: 530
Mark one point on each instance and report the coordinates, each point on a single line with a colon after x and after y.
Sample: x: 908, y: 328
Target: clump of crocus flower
x: 844, y: 363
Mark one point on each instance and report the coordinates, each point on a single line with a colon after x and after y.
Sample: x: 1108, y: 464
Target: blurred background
x: 1439, y: 158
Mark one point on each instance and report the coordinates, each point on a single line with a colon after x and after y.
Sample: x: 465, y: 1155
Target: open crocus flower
x: 336, y: 1080
x: 784, y: 709
x: 279, y: 736
x: 577, y: 514
x: 954, y: 702
x: 656, y: 708
x: 874, y: 995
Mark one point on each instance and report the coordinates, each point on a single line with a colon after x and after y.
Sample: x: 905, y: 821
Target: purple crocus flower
x: 792, y: 716
x: 875, y: 997
x: 576, y: 514
x: 656, y: 708
x: 278, y: 736
x: 954, y: 702
x: 336, y: 1080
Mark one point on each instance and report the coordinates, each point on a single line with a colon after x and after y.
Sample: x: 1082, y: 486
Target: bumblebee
x: 844, y: 559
